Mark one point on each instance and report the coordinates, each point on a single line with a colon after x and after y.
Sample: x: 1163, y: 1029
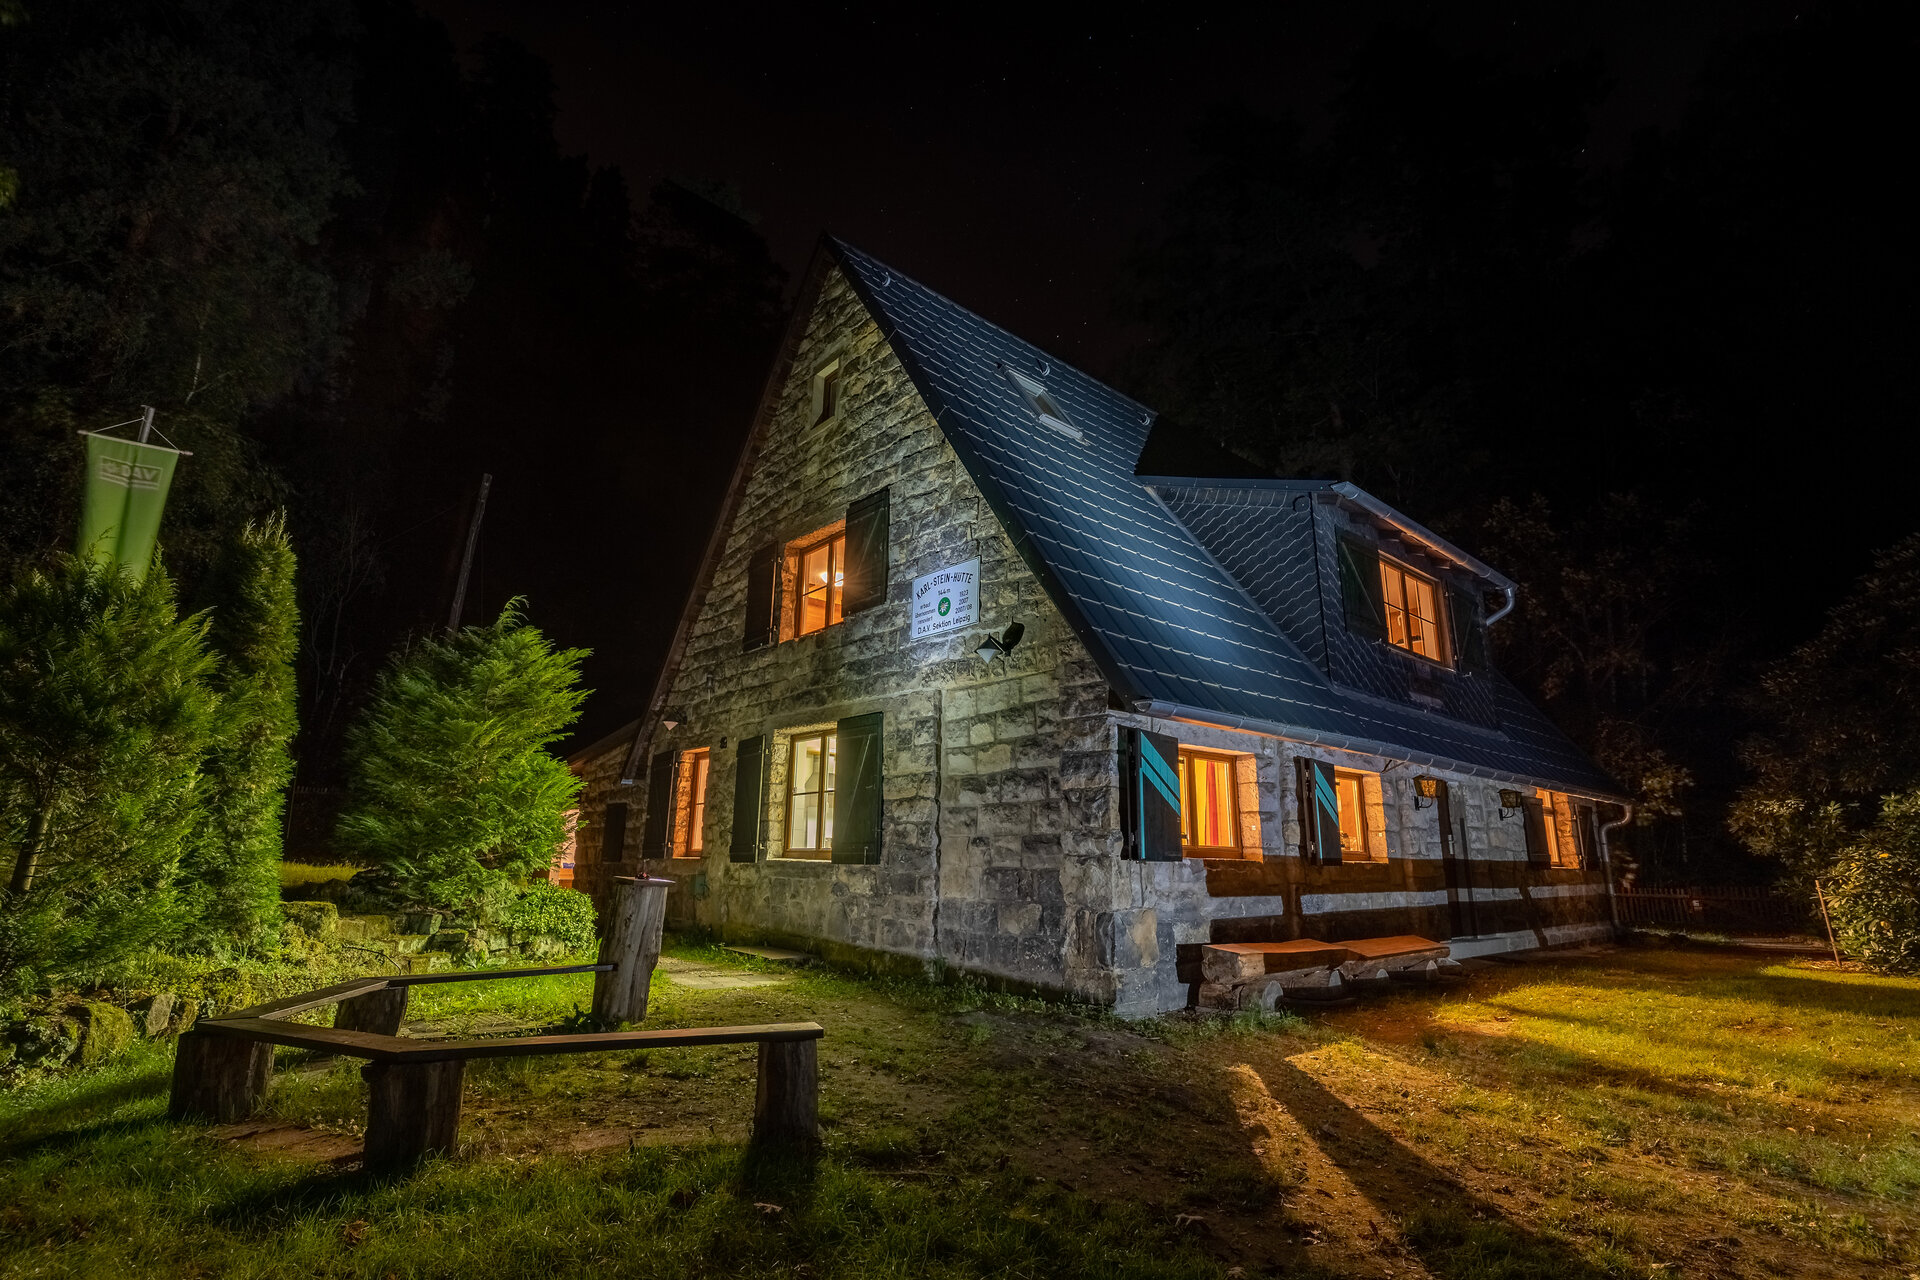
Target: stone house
x: 956, y: 686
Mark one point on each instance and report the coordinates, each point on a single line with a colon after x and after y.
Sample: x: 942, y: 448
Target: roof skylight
x: 1042, y: 404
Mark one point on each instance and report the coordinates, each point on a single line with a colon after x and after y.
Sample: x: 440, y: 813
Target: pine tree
x: 105, y: 716
x: 230, y: 877
x: 452, y: 787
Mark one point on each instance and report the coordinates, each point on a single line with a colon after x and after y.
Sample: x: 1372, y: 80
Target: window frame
x: 1438, y: 625
x: 834, y: 540
x: 690, y: 806
x: 1364, y: 782
x: 829, y: 744
x: 1041, y: 404
x: 827, y: 388
x: 1189, y: 820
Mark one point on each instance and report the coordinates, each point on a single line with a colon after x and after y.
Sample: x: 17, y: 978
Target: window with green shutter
x: 866, y: 553
x: 762, y: 626
x: 1360, y: 594
x: 857, y: 783
x: 749, y: 800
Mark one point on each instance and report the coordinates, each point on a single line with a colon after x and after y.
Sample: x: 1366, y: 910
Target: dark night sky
x: 1007, y: 159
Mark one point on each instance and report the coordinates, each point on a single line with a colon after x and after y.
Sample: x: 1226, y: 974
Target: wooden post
x: 413, y: 1111
x: 219, y: 1078
x: 786, y: 1103
x: 1826, y: 920
x: 379, y: 1012
x: 632, y: 944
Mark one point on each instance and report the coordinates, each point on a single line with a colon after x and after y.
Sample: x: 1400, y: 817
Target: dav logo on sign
x: 129, y: 475
x: 946, y: 599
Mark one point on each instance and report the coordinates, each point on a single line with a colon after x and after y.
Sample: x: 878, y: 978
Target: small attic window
x: 1041, y: 402
x: 826, y: 391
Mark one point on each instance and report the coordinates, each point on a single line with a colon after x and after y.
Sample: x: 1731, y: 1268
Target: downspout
x: 939, y: 787
x: 1606, y: 861
x: 1505, y: 609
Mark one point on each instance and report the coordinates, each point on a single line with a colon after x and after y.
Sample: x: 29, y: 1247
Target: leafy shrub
x: 1874, y: 896
x: 453, y: 788
x: 559, y: 913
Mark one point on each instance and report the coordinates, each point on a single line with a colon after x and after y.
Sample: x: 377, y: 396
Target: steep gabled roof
x: 1174, y: 632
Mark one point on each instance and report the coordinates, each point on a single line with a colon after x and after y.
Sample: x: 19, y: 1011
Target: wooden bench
x: 1240, y: 975
x: 224, y: 1065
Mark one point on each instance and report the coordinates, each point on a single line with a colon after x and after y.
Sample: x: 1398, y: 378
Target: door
x: 1458, y: 863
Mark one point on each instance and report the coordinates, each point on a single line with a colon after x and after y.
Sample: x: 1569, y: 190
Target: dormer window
x: 1413, y: 611
x: 826, y: 391
x: 1041, y: 404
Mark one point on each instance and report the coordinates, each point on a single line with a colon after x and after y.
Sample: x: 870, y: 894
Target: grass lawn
x: 1623, y: 1113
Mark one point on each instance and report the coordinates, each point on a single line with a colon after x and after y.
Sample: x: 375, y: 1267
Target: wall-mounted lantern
x: 1426, y: 791
x: 672, y: 719
x: 1510, y: 802
x: 997, y: 646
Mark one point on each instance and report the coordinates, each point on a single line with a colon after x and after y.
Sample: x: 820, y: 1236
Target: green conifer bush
x: 105, y: 717
x: 452, y: 786
x: 230, y: 875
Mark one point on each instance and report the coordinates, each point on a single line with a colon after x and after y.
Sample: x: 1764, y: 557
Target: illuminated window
x: 1209, y: 809
x: 821, y: 572
x: 1549, y: 819
x: 826, y: 392
x: 1363, y: 836
x: 810, y: 796
x: 690, y: 809
x: 1413, y: 611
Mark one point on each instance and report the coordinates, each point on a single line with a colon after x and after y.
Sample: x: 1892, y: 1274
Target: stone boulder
x: 105, y: 1031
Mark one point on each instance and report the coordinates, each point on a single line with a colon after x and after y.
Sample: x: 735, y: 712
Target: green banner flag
x: 127, y: 485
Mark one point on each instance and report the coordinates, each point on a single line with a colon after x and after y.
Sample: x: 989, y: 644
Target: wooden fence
x: 1723, y: 909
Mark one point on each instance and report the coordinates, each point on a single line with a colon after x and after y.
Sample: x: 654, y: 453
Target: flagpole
x: 146, y: 423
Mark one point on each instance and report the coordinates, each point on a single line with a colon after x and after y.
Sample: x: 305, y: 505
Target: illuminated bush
x: 1874, y: 894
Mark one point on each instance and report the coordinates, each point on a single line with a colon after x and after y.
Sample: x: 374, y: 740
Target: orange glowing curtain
x: 1209, y: 803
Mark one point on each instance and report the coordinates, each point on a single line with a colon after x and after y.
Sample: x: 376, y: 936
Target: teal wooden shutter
x: 749, y: 800
x: 763, y: 598
x: 1469, y: 633
x: 1319, y: 811
x: 613, y: 832
x: 1150, y: 780
x: 1360, y: 595
x: 856, y: 789
x: 866, y: 572
x: 1534, y: 813
x: 655, y: 835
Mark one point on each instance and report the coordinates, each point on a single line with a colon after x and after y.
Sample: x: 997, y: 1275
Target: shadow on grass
x: 1456, y: 1235
x: 53, y: 1125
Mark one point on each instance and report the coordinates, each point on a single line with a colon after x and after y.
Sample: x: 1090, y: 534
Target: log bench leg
x: 378, y: 1012
x: 219, y: 1078
x: 786, y: 1103
x: 413, y: 1111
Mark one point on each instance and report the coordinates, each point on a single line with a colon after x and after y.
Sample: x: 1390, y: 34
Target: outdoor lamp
x: 1509, y: 802
x: 1425, y: 788
x: 994, y: 646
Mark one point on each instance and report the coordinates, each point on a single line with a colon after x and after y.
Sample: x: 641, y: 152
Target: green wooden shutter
x: 1585, y: 839
x: 866, y: 572
x: 1360, y: 595
x: 659, y: 829
x: 763, y: 598
x: 1150, y: 780
x: 858, y: 750
x: 749, y: 800
x: 1319, y: 811
x: 1469, y: 633
x: 613, y: 832
x: 1534, y: 813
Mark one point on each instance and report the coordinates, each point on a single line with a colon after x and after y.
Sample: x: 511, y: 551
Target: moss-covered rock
x: 105, y: 1031
x: 320, y: 919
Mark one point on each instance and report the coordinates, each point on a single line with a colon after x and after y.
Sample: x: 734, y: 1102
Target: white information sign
x: 946, y: 599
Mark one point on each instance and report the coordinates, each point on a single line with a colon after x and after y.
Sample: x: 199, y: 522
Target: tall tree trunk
x: 28, y: 859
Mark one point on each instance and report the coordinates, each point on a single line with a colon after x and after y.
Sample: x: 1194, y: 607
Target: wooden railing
x: 1723, y: 909
x: 224, y: 1066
